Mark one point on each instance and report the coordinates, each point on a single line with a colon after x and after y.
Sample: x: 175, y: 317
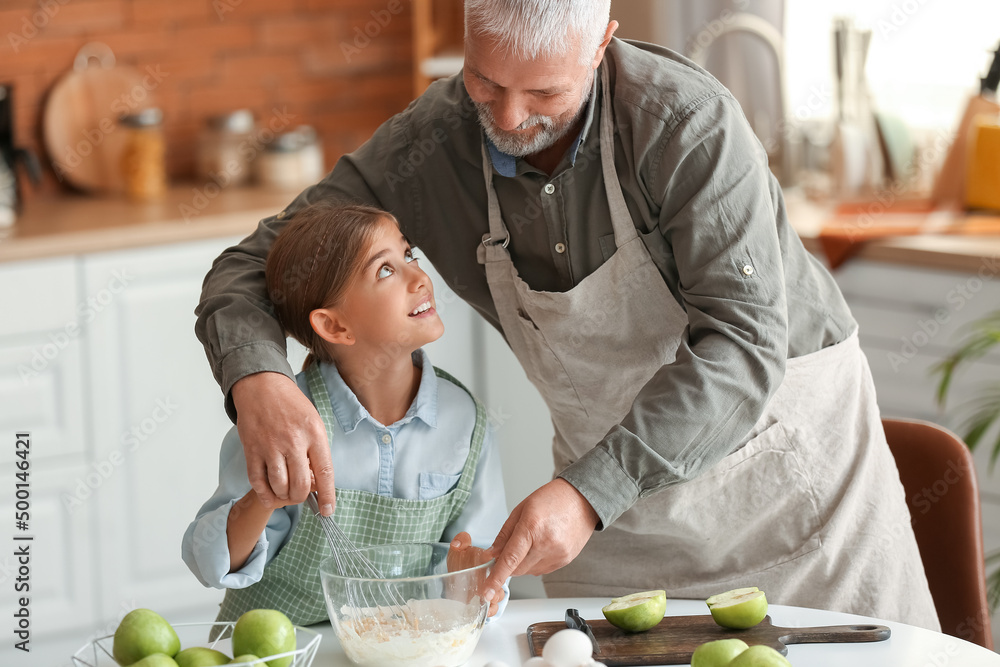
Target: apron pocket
x: 753, y: 510
x: 546, y: 371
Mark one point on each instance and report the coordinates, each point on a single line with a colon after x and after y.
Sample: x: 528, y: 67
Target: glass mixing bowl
x: 417, y: 614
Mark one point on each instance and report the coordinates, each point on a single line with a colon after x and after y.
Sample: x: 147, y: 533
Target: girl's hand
x: 463, y: 555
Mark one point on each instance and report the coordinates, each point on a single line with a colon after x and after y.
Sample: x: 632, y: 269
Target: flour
x: 423, y: 633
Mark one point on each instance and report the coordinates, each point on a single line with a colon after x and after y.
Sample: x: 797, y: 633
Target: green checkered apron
x: 291, y: 582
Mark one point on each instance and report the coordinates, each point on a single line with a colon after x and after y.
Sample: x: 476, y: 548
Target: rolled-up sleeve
x: 718, y: 219
x: 205, y: 547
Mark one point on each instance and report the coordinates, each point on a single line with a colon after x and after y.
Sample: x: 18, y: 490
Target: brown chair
x: 938, y: 476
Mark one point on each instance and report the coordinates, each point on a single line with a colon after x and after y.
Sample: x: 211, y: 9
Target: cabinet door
x: 40, y: 338
x: 41, y: 393
x: 158, y: 421
x: 61, y: 578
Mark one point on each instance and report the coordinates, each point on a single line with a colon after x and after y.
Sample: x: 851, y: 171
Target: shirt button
x: 280, y: 215
x: 560, y: 248
x: 549, y: 188
x: 386, y: 438
x: 748, y: 270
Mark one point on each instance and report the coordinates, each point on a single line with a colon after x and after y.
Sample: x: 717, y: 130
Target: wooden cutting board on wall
x: 80, y: 120
x: 676, y: 637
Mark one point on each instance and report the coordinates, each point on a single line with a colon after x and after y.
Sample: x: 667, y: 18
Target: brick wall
x: 218, y: 55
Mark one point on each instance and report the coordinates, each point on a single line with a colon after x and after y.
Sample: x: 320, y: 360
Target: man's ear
x: 330, y: 326
x: 612, y: 26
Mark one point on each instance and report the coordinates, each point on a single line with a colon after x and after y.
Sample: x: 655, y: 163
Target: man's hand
x: 283, y: 439
x: 543, y: 533
x: 461, y: 556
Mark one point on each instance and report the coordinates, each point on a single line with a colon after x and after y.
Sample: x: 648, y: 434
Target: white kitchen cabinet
x: 41, y: 392
x: 909, y: 320
x: 158, y: 421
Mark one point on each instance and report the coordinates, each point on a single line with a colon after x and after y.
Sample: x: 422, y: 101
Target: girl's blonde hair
x: 313, y: 261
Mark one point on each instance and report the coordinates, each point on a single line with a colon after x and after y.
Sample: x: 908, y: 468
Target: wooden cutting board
x: 80, y: 121
x: 676, y: 637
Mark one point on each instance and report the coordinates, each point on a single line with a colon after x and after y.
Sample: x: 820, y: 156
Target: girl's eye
x: 410, y: 256
x: 384, y: 272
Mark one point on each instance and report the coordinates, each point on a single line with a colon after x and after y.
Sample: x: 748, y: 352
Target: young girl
x: 413, y: 458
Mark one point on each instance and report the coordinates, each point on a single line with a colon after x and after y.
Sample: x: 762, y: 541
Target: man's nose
x: 509, y: 112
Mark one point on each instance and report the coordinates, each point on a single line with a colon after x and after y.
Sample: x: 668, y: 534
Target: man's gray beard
x: 548, y: 135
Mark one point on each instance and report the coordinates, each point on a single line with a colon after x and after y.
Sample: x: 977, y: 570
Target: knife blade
x: 576, y: 622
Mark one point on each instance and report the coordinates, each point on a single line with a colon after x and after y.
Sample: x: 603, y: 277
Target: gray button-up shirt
x: 696, y: 182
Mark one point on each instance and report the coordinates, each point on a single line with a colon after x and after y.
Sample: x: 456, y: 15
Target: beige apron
x: 810, y: 508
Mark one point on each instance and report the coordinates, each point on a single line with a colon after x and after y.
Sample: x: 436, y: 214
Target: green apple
x: 143, y: 632
x: 264, y: 632
x: 760, y: 656
x: 636, y: 612
x: 156, y: 660
x: 248, y: 659
x: 200, y: 656
x: 718, y: 653
x: 738, y: 609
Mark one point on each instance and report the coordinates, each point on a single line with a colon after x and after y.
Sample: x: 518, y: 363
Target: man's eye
x: 384, y: 272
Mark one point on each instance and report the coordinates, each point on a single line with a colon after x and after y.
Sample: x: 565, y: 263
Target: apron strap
x: 321, y: 398
x: 478, y: 434
x: 498, y: 231
x: 621, y: 219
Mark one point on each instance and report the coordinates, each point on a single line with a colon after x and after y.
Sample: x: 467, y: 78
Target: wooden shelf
x: 438, y: 35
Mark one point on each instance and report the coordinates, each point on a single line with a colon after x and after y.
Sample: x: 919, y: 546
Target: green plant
x: 978, y: 415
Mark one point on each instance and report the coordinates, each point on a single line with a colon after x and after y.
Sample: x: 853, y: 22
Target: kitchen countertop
x: 505, y: 640
x: 932, y: 251
x: 69, y: 224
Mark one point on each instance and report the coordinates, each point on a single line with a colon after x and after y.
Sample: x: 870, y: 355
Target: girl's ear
x: 328, y: 325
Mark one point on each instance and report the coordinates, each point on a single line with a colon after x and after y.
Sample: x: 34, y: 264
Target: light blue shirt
x: 419, y: 457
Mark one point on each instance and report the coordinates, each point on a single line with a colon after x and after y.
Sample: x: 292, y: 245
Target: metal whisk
x: 371, y: 598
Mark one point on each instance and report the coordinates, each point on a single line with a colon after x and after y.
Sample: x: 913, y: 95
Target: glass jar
x: 143, y: 161
x: 293, y: 161
x: 224, y: 155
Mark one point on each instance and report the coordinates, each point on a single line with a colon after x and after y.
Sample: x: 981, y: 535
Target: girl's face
x: 390, y: 305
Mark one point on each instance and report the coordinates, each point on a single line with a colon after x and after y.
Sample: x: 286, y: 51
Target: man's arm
x: 719, y: 221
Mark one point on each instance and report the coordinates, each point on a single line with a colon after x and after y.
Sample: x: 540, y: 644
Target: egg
x: 537, y: 661
x: 495, y: 663
x: 568, y: 648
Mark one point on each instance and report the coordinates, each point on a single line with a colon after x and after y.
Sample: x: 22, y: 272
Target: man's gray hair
x: 529, y: 29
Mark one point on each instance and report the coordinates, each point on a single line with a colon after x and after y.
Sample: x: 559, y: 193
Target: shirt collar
x: 349, y: 411
x: 506, y: 165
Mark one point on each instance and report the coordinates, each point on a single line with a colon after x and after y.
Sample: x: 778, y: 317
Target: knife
x: 576, y: 622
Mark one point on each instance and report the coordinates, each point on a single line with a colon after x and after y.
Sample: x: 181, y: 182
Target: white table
x: 909, y: 646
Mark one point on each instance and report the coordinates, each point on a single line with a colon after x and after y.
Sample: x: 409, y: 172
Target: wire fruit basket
x: 98, y: 653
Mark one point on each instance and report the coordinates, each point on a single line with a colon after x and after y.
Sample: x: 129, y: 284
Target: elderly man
x: 607, y: 208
